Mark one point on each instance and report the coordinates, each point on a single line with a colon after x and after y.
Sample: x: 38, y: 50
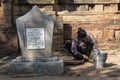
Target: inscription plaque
x: 35, y: 38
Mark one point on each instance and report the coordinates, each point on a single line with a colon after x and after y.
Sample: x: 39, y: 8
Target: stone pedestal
x: 40, y: 66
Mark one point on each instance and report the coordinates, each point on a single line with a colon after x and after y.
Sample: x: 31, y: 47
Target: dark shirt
x: 76, y: 43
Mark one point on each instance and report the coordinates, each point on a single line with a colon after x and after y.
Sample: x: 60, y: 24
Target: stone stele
x: 35, y: 32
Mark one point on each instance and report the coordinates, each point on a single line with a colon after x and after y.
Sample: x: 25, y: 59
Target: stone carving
x: 35, y: 19
x: 35, y: 32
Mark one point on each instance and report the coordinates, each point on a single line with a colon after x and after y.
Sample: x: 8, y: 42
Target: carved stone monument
x: 35, y: 31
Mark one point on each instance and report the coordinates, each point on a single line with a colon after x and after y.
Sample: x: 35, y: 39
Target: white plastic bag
x: 99, y: 57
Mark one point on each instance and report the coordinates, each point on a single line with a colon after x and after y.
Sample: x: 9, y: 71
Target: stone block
x: 20, y: 1
x: 113, y: 27
x: 110, y: 7
x: 108, y: 34
x: 82, y: 8
x: 57, y: 7
x: 49, y: 13
x: 7, y: 6
x: 113, y: 7
x: 96, y: 34
x: 57, y: 37
x: 71, y: 18
x: 7, y: 25
x: 1, y: 9
x: 7, y: 13
x: 13, y: 37
x: 41, y: 1
x: 83, y: 1
x: 47, y: 8
x: 98, y: 8
x: 95, y: 1
x: 59, y: 22
x: 2, y: 21
x: 1, y: 15
x: 83, y: 18
x: 117, y: 34
x: 106, y: 7
x: 24, y: 8
x: 94, y: 7
x: 8, y: 19
x: 4, y: 37
x: 41, y: 66
x: 74, y: 27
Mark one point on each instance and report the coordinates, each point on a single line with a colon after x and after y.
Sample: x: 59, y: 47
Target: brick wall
x: 8, y: 36
x: 100, y: 18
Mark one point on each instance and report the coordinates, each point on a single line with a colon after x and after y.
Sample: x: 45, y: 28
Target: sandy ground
x: 86, y: 71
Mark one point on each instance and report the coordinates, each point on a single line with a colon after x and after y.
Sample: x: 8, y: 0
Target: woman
x: 82, y: 45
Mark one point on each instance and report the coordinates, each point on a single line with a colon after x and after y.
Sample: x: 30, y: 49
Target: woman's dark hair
x: 81, y: 33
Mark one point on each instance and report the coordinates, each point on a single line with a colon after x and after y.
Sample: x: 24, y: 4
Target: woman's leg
x: 78, y: 57
x: 89, y: 48
x: 86, y: 51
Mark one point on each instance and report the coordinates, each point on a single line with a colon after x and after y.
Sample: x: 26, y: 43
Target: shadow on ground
x: 84, y: 71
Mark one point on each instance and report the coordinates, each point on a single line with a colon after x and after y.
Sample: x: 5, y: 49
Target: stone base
x: 41, y: 66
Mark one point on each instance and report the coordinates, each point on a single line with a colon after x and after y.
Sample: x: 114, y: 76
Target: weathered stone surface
x: 113, y: 7
x: 41, y: 1
x: 98, y: 8
x: 41, y: 66
x: 108, y: 34
x: 95, y: 1
x: 7, y: 6
x: 107, y: 46
x: 82, y: 8
x: 117, y: 34
x: 59, y: 23
x: 35, y: 32
x: 35, y: 19
x: 106, y: 7
x: 47, y: 8
x: 96, y: 34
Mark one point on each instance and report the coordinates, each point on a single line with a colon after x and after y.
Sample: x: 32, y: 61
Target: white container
x: 99, y: 58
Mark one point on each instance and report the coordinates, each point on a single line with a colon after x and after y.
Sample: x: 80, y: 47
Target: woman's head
x: 81, y: 33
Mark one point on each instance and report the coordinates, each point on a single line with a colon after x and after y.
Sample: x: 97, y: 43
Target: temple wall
x: 100, y: 19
